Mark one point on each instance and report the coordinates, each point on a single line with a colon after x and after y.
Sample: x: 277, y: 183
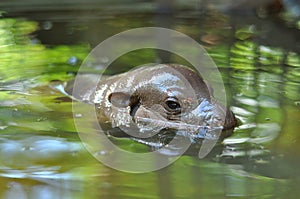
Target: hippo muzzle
x: 206, y: 121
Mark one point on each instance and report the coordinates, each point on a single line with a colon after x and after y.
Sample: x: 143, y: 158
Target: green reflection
x: 23, y: 57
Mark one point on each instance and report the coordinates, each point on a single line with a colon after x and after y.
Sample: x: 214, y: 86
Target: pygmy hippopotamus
x: 155, y: 97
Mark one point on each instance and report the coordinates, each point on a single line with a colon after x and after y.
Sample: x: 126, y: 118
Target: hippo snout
x: 212, y: 115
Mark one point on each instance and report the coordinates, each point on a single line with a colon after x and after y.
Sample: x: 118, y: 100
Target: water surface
x: 41, y: 155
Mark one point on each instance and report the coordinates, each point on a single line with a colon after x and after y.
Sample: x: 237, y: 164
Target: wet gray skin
x: 149, y: 99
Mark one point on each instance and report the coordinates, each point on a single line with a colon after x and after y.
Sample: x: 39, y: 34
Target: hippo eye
x: 172, y: 104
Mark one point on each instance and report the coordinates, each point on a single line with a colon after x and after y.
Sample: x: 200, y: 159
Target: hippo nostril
x: 208, y: 116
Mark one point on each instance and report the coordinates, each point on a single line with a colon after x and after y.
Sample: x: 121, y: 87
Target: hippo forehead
x: 174, y: 85
x: 174, y: 80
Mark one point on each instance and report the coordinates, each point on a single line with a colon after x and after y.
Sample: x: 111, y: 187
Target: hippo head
x: 165, y: 97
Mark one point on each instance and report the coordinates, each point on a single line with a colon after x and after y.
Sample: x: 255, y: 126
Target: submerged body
x: 152, y: 98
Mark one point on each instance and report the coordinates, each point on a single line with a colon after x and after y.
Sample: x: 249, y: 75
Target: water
x: 41, y: 155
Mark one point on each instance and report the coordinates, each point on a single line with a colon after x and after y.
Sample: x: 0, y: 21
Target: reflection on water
x: 41, y: 155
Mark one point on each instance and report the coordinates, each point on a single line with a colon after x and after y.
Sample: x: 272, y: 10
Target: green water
x: 41, y: 155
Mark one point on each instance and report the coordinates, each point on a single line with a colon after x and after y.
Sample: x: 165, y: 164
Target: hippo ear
x: 119, y: 99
